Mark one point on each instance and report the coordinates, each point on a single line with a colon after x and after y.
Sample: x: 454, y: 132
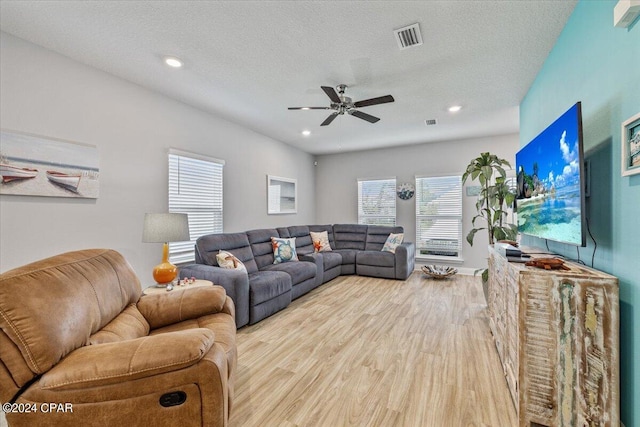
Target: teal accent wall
x: 599, y: 65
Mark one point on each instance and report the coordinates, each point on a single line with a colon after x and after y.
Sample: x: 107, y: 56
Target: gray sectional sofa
x: 267, y: 288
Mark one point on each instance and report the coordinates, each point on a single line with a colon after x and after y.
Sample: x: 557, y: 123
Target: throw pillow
x: 393, y: 241
x: 320, y: 241
x: 284, y: 250
x: 228, y: 260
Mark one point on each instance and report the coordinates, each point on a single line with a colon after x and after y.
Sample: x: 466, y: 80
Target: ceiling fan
x: 343, y: 104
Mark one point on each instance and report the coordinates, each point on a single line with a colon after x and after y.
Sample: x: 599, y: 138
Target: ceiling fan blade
x: 364, y: 116
x: 309, y: 108
x: 331, y: 93
x: 329, y: 119
x: 374, y: 101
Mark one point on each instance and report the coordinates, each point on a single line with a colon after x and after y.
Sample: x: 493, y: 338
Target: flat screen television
x: 550, y: 194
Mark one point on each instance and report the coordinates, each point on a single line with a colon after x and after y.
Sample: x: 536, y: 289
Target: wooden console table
x: 556, y: 333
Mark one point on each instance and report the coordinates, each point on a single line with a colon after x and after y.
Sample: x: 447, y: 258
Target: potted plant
x: 494, y: 198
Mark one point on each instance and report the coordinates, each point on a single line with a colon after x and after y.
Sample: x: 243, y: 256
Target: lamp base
x: 164, y: 273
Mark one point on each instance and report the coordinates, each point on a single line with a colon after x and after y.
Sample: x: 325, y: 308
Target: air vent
x: 431, y: 122
x: 408, y: 36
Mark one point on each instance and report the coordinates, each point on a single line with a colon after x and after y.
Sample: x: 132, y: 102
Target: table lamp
x: 165, y: 228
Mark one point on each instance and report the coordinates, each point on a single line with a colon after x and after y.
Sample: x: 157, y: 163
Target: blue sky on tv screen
x: 556, y: 152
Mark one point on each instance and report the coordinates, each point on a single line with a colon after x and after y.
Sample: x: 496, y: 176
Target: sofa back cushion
x: 304, y: 245
x: 51, y: 307
x: 207, y: 248
x: 350, y: 236
x: 260, y: 241
x: 377, y: 235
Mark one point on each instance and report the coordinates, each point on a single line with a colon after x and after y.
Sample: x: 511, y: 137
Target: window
x: 195, y: 188
x: 439, y: 216
x: 377, y: 201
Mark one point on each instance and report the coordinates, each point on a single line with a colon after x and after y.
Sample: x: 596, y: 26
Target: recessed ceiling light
x: 455, y: 108
x: 305, y: 108
x: 306, y: 132
x: 172, y: 61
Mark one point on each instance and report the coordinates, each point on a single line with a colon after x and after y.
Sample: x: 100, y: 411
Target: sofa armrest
x: 316, y: 258
x: 181, y: 304
x: 405, y: 260
x: 234, y: 282
x: 113, y: 363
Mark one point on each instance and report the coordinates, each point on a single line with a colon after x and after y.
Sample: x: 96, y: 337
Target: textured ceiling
x: 248, y: 61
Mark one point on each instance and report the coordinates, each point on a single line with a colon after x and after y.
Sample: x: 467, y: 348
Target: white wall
x: 337, y: 175
x: 44, y: 93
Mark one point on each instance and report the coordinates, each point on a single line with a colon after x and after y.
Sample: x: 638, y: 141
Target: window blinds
x: 439, y: 215
x: 195, y: 188
x: 377, y: 201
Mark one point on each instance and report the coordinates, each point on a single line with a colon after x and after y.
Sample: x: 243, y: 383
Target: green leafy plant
x: 494, y: 198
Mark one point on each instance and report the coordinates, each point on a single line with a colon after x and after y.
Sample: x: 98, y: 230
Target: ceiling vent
x: 408, y: 36
x: 430, y: 122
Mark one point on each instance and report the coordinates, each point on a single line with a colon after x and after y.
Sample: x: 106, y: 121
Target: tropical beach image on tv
x: 550, y: 197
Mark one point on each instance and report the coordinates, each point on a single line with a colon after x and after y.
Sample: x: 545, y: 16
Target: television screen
x: 550, y: 191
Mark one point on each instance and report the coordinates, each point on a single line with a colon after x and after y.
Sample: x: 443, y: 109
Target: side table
x: 163, y: 290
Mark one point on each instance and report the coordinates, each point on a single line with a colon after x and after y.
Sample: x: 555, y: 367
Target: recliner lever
x: 174, y: 398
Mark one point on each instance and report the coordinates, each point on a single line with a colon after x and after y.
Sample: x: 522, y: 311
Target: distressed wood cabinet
x: 556, y: 333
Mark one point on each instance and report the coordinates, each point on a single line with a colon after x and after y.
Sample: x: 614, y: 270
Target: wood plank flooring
x: 372, y: 352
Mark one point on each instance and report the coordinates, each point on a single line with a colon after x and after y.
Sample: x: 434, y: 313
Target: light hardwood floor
x: 371, y: 352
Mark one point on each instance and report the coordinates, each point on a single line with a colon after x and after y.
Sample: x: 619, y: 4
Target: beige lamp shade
x: 165, y: 227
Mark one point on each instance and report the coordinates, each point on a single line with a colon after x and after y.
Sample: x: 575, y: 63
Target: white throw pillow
x: 393, y: 241
x: 228, y: 260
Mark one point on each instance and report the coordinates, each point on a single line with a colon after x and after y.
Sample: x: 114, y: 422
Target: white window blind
x: 377, y: 201
x: 195, y: 188
x: 439, y: 216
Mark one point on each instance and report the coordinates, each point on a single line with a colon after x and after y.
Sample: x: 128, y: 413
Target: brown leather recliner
x: 79, y: 346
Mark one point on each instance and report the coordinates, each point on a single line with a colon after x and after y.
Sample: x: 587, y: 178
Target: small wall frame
x: 282, y: 195
x: 630, y: 149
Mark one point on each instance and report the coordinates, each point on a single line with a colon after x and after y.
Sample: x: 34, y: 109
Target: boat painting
x: 33, y: 165
x: 12, y: 173
x: 65, y: 180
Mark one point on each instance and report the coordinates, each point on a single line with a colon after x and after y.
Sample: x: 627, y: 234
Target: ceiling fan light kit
x: 342, y: 104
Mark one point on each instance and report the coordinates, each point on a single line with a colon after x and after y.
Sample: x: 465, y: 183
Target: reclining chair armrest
x: 181, y: 304
x: 316, y: 258
x: 405, y: 260
x: 235, y: 282
x: 122, y: 361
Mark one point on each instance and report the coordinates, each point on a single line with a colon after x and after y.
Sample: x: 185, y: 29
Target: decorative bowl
x: 438, y: 271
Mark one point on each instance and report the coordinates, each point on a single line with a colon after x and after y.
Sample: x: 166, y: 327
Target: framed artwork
x: 282, y: 195
x: 32, y: 165
x: 630, y: 150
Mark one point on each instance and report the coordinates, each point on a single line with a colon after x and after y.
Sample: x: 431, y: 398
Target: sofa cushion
x: 208, y: 247
x: 377, y: 236
x: 350, y: 236
x: 128, y: 325
x: 376, y: 258
x: 331, y: 260
x: 393, y: 241
x: 129, y: 360
x: 265, y: 285
x: 284, y: 250
x: 260, y: 241
x: 348, y: 255
x: 299, y: 271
